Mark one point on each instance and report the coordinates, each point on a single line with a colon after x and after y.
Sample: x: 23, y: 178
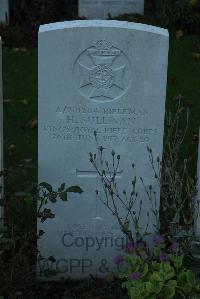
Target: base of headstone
x: 100, y: 9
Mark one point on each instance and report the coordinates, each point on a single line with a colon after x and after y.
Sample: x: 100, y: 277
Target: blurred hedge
x: 27, y: 15
x: 33, y: 12
x: 184, y: 14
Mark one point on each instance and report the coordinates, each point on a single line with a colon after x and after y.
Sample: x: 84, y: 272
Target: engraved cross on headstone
x: 94, y: 174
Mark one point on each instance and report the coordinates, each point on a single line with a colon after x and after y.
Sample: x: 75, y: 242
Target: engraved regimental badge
x: 102, y: 72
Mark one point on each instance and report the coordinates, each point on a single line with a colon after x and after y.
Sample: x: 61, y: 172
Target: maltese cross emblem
x: 102, y: 72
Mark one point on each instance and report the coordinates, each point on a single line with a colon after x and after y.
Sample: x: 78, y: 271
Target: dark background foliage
x: 33, y: 12
x: 182, y: 13
x: 27, y: 15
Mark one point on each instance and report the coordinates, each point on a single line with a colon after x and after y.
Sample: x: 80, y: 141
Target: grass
x: 184, y: 79
x: 20, y: 104
x: 20, y: 136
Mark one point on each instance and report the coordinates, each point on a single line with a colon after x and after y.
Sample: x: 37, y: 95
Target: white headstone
x: 1, y: 133
x: 108, y: 77
x: 100, y: 9
x: 4, y: 11
x: 197, y: 228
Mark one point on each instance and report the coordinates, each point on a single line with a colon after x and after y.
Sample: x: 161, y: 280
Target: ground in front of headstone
x: 70, y: 289
x: 83, y: 289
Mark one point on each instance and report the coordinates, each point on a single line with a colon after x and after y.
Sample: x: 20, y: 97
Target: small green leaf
x: 177, y: 260
x: 137, y: 291
x: 157, y: 251
x: 62, y: 187
x: 123, y: 275
x: 167, y: 270
x: 191, y: 277
x: 168, y: 292
x: 145, y: 269
x: 172, y: 283
x: 46, y: 214
x: 155, y: 278
x: 74, y: 189
x: 52, y: 259
x: 150, y: 287
x: 125, y: 227
x: 127, y: 284
x: 63, y: 196
x: 41, y: 232
x: 155, y: 265
x: 53, y: 196
x: 157, y: 282
x: 183, y: 284
x: 186, y: 289
x: 46, y: 186
x: 182, y: 278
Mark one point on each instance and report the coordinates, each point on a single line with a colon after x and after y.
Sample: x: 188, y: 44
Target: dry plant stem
x: 16, y: 256
x: 43, y: 200
x: 177, y: 187
x: 111, y: 193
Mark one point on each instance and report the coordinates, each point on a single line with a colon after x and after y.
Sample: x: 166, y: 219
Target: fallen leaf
x: 188, y: 104
x: 11, y: 147
x: 192, y: 157
x: 16, y: 49
x: 173, y: 79
x: 24, y: 101
x: 196, y: 55
x: 33, y: 123
x: 18, y: 295
x: 195, y: 139
x: 110, y: 277
x: 7, y: 101
x: 178, y: 98
x: 193, y: 2
x: 179, y: 34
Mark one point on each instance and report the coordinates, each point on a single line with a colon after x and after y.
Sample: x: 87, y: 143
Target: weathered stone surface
x: 108, y: 77
x: 100, y: 9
